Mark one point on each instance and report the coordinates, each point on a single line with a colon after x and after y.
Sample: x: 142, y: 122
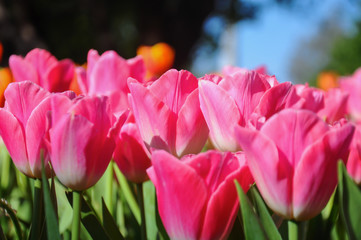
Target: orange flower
x: 327, y: 80
x: 5, y: 78
x: 157, y: 58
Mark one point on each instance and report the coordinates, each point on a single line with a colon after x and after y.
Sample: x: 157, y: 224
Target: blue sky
x: 272, y: 38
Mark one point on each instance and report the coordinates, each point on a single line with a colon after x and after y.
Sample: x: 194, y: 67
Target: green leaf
x: 5, y: 163
x: 90, y: 220
x: 109, y: 174
x: 338, y: 231
x: 264, y: 216
x: 38, y: 215
x: 149, y: 208
x: 4, y: 205
x: 251, y: 223
x: 350, y: 203
x: 127, y: 192
x: 120, y: 214
x: 65, y: 221
x: 53, y: 196
x: 2, y: 236
x: 327, y: 224
x: 52, y: 225
x: 109, y: 223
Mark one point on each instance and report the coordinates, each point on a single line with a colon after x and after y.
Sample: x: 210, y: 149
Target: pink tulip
x: 24, y: 126
x: 167, y: 113
x: 107, y: 75
x: 311, y: 98
x: 330, y: 105
x: 293, y: 159
x: 82, y: 139
x: 197, y: 198
x: 354, y: 159
x: 262, y: 70
x: 352, y: 85
x: 212, y: 77
x: 109, y: 72
x: 131, y: 154
x: 229, y: 70
x: 275, y: 99
x: 335, y: 107
x: 40, y: 67
x: 244, y: 99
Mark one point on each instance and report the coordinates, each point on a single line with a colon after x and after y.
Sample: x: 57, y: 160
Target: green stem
x: 128, y: 195
x: 38, y: 210
x: 76, y: 215
x: 5, y: 165
x: 297, y: 230
x: 109, y: 188
x: 293, y: 233
x: 142, y: 212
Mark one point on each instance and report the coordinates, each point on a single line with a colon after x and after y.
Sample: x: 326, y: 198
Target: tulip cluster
x: 192, y: 137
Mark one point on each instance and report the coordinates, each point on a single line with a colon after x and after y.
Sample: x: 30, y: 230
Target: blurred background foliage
x: 331, y: 49
x: 346, y: 53
x: 69, y: 28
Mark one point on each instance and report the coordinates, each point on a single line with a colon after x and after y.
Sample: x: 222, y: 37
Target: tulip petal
x: 60, y: 75
x: 335, y: 105
x: 110, y: 73
x: 354, y: 159
x: 14, y: 139
x: 22, y: 98
x: 118, y: 101
x: 96, y: 110
x: 277, y: 98
x: 192, y: 130
x: 314, y: 98
x: 218, y: 171
x: 218, y: 223
x: 267, y: 169
x: 60, y: 104
x: 81, y: 76
x: 69, y: 139
x: 181, y: 196
x: 221, y: 115
x: 354, y: 164
x: 22, y: 70
x: 213, y: 167
x: 41, y: 60
x: 137, y: 68
x: 211, y: 77
x: 98, y: 161
x: 131, y: 155
x: 173, y: 88
x: 36, y: 131
x: 292, y: 131
x: 92, y: 58
x: 246, y: 88
x: 315, y: 177
x: 154, y: 119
